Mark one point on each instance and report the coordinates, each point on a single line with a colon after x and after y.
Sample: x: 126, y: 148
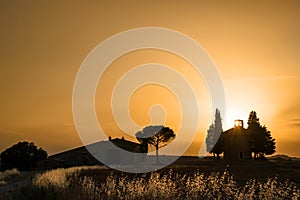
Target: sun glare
x: 229, y: 120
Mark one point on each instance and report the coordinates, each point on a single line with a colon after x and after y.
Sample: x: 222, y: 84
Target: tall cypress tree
x: 218, y: 148
x: 213, y: 144
x: 210, y: 138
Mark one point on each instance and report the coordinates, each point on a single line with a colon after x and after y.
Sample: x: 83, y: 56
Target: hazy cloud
x: 295, y: 120
x: 264, y: 78
x: 295, y: 123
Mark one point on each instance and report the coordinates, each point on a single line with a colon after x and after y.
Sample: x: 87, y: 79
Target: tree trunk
x: 218, y: 156
x: 156, y: 147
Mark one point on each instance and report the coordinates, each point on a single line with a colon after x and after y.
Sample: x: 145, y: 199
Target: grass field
x: 187, y: 178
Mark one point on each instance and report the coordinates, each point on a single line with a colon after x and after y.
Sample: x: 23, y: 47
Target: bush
x: 23, y: 156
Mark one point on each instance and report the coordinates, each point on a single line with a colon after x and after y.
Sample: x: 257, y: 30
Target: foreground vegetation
x: 84, y: 183
x: 7, y: 174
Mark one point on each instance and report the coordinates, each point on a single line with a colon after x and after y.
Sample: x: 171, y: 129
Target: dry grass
x: 71, y: 183
x: 8, y: 174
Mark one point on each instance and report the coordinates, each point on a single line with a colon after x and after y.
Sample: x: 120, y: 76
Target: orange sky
x: 255, y: 46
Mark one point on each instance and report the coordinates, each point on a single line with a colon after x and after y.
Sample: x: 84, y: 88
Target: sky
x: 254, y: 44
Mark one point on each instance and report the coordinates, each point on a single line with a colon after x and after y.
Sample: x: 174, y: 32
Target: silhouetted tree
x: 213, y: 144
x: 157, y: 136
x: 210, y: 139
x: 219, y: 147
x: 23, y: 156
x: 270, y: 142
x: 257, y: 138
x: 252, y: 119
x: 261, y: 140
